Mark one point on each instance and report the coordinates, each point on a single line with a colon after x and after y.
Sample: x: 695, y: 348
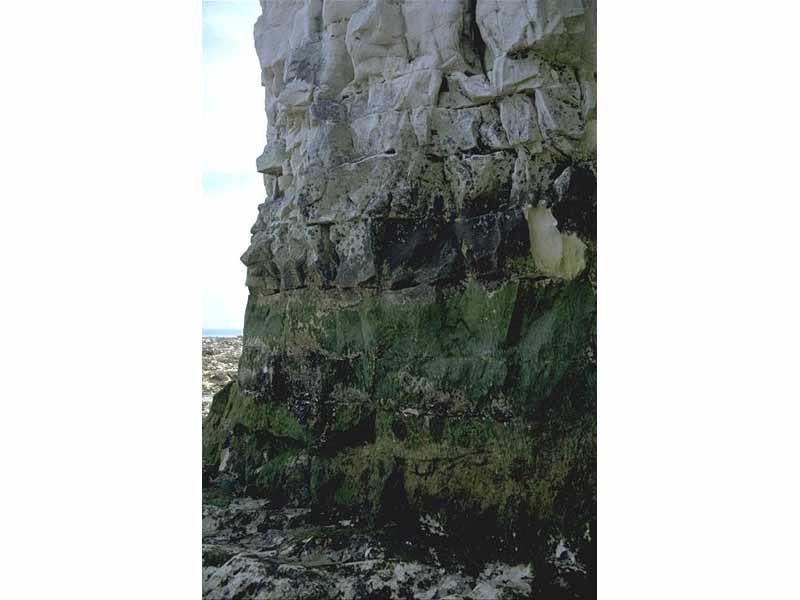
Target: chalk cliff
x: 419, y: 339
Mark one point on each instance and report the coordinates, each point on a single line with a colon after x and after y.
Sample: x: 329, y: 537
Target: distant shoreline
x: 222, y: 332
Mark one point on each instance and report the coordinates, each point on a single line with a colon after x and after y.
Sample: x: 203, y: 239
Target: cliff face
x: 419, y: 340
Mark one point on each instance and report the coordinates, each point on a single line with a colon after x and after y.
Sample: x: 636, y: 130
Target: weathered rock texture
x: 420, y: 333
x: 252, y: 551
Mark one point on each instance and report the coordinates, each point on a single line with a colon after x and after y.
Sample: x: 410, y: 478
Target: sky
x: 233, y: 133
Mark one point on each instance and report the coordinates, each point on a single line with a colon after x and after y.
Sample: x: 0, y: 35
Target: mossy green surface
x: 254, y: 432
x: 474, y: 403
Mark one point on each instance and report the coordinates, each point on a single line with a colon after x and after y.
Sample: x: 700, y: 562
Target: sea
x: 222, y: 332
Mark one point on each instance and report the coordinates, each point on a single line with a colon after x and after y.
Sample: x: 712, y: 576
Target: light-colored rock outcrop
x: 410, y: 110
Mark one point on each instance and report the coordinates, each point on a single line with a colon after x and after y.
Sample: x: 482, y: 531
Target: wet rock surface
x: 254, y: 550
x: 220, y: 363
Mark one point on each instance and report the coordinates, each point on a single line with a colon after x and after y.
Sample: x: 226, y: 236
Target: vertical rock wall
x: 419, y: 338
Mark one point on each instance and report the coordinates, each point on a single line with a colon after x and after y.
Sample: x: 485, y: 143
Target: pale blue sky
x: 234, y: 127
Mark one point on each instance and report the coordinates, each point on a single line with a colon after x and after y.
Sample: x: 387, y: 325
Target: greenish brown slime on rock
x: 495, y: 391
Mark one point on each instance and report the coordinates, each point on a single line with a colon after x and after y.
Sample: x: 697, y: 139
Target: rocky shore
x: 220, y: 362
x: 253, y: 550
